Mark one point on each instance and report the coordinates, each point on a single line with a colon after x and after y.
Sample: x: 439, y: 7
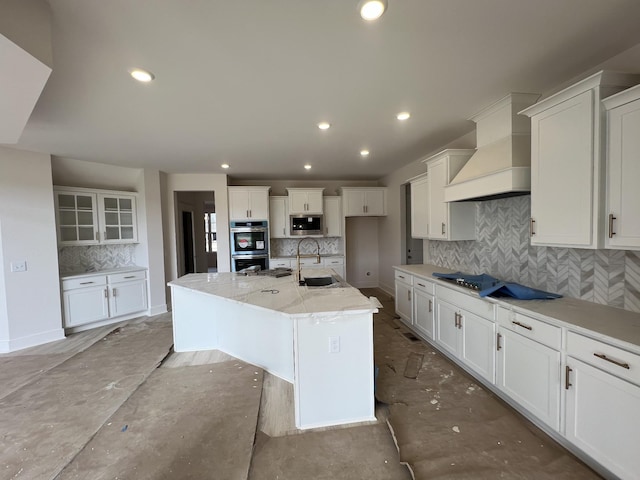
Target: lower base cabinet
x: 403, y: 299
x: 423, y: 307
x: 100, y: 297
x: 529, y: 372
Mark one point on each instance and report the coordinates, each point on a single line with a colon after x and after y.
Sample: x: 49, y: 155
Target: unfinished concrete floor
x: 206, y: 415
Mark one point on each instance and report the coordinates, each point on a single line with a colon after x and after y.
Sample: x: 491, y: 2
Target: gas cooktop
x: 472, y: 282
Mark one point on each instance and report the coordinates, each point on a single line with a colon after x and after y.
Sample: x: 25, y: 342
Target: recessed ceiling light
x: 142, y: 75
x: 403, y: 115
x: 324, y: 125
x: 307, y: 167
x: 364, y: 153
x: 225, y: 165
x: 372, y: 9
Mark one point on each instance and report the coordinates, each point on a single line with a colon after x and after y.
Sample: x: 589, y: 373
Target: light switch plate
x: 334, y: 344
x: 19, y: 266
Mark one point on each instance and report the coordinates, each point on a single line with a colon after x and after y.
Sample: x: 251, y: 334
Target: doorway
x: 196, y: 232
x: 413, y: 249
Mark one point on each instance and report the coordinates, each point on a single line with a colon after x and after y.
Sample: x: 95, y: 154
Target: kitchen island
x: 320, y: 339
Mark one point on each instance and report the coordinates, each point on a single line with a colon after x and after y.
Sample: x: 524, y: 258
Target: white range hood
x: 501, y: 166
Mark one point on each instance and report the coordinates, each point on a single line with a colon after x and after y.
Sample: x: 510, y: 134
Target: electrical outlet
x: 19, y: 266
x: 334, y: 344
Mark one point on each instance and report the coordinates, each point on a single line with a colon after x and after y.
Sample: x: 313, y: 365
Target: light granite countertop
x: 617, y: 324
x: 69, y: 275
x: 281, y: 294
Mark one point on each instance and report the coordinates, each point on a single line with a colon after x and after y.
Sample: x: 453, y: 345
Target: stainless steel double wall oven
x: 249, y: 244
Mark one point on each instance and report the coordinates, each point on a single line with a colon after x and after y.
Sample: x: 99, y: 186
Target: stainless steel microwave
x: 306, y: 225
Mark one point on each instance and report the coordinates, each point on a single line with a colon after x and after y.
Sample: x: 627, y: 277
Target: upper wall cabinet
x: 453, y: 220
x: 304, y: 201
x: 91, y: 217
x: 364, y: 201
x: 279, y: 217
x: 623, y: 170
x: 567, y: 162
x: 420, y: 207
x: 332, y: 217
x: 248, y: 203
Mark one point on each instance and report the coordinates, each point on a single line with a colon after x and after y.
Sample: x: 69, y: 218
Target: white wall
x: 391, y: 229
x: 31, y: 313
x: 362, y: 251
x: 187, y: 182
x: 279, y: 187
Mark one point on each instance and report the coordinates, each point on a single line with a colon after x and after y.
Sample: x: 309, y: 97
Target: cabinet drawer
x: 83, y: 282
x: 333, y: 261
x: 537, y: 330
x: 404, y: 277
x: 280, y: 263
x: 310, y: 262
x: 480, y: 307
x: 423, y: 285
x: 612, y: 359
x: 126, y: 277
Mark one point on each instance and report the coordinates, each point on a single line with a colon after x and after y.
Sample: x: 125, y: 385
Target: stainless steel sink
x: 328, y: 281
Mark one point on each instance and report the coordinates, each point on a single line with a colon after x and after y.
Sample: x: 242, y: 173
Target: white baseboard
x: 12, y: 345
x: 158, y: 309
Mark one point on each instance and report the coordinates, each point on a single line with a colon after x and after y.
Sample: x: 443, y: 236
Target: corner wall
x: 30, y: 313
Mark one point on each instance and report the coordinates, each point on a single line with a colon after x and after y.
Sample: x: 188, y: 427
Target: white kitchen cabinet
x: 102, y: 298
x: 465, y: 327
x: 335, y: 263
x: 248, y: 203
x: 118, y: 218
x: 332, y: 216
x: 85, y: 301
x: 567, y: 155
x: 623, y: 170
x: 281, y: 263
x: 403, y: 296
x: 423, y: 306
x: 76, y: 217
x: 90, y: 217
x: 448, y: 220
x: 364, y: 201
x: 279, y: 217
x: 602, y: 398
x: 527, y: 370
x: 420, y: 207
x: 305, y: 201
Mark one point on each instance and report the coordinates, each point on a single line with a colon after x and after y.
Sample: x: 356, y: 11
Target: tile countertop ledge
x: 292, y: 299
x: 68, y: 275
x: 622, y: 327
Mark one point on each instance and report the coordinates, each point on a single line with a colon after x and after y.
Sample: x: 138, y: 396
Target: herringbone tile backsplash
x: 93, y: 258
x: 610, y: 277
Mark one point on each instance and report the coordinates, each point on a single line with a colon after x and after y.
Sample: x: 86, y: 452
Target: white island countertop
x: 281, y: 294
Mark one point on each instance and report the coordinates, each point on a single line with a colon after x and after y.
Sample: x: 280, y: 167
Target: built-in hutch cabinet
x: 91, y: 217
x: 248, y: 203
x: 448, y: 220
x: 304, y: 201
x: 364, y: 201
x: 420, y: 207
x: 580, y: 386
x: 567, y: 162
x: 623, y: 170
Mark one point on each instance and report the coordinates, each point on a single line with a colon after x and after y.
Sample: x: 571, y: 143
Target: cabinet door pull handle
x: 85, y: 283
x: 409, y: 295
x: 442, y: 228
x: 498, y: 345
x: 129, y: 276
x: 531, y: 227
x: 567, y: 373
x: 611, y: 219
x: 615, y: 362
x: 106, y: 293
x: 114, y: 291
x: 400, y: 276
x: 522, y: 325
x: 430, y: 306
x: 421, y: 285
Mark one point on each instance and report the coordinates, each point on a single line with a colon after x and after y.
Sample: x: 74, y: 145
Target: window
x: 210, y: 241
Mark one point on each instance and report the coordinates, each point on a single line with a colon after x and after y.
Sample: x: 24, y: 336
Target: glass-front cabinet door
x: 77, y: 218
x: 118, y: 218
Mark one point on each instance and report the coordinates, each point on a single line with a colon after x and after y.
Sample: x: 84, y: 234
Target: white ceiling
x: 246, y: 81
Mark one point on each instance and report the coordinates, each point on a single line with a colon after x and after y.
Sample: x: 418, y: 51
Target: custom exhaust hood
x: 501, y: 166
